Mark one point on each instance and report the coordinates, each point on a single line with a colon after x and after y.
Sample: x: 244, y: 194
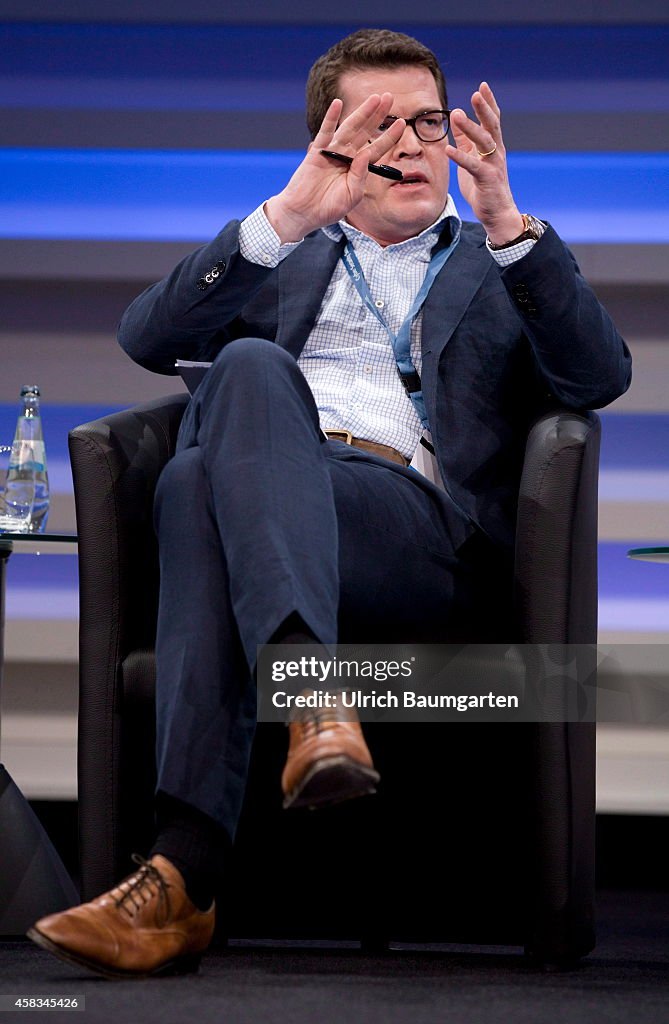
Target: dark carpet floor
x: 626, y: 979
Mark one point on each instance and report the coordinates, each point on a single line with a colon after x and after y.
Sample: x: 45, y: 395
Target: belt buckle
x: 340, y: 435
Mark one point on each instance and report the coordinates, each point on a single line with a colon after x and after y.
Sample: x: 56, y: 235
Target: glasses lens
x: 432, y: 126
x: 386, y: 123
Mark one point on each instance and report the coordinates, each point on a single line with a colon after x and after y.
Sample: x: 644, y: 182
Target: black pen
x: 381, y: 169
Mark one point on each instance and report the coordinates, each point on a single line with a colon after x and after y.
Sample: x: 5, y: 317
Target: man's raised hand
x: 320, y: 191
x: 482, y: 172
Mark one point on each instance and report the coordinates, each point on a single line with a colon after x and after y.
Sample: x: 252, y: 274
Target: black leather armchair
x: 479, y: 834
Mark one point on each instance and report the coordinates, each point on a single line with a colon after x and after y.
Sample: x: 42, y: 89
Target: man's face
x: 391, y: 211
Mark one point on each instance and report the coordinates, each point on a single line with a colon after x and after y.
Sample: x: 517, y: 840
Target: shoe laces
x: 315, y: 720
x: 140, y: 888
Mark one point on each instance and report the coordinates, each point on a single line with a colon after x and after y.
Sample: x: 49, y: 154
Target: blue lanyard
x: 401, y: 342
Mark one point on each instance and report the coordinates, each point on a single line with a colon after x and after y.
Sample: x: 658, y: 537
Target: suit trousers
x: 260, y: 518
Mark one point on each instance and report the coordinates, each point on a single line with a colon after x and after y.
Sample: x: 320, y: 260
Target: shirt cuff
x: 511, y: 254
x: 259, y: 242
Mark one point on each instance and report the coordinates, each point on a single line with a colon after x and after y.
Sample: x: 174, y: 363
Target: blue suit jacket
x: 499, y: 346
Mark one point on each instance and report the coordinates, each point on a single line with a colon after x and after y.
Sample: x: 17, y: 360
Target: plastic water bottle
x: 27, y: 476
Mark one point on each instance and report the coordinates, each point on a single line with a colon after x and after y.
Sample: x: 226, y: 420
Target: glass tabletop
x: 657, y: 554
x: 39, y: 543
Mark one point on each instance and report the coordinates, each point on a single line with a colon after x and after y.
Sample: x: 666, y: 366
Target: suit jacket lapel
x: 303, y: 280
x: 305, y: 275
x: 453, y: 291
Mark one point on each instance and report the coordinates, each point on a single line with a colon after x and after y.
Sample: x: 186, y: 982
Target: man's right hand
x: 321, y: 191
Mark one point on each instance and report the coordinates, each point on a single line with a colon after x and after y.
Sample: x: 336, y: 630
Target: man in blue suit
x: 355, y: 325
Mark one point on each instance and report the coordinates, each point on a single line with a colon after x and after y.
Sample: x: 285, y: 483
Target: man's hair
x: 366, y: 48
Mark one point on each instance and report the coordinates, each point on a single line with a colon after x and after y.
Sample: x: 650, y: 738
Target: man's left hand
x: 482, y: 172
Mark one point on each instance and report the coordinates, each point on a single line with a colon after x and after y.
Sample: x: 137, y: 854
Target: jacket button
x: 202, y: 284
x: 208, y: 278
x: 521, y: 292
x: 220, y: 266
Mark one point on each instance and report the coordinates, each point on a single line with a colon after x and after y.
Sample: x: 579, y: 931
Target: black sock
x: 294, y: 630
x: 195, y: 844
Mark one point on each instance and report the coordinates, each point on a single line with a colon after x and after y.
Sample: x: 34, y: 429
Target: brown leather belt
x: 384, y: 450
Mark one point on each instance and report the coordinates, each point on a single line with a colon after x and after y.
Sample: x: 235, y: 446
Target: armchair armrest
x: 556, y: 539
x: 116, y: 462
x: 556, y: 601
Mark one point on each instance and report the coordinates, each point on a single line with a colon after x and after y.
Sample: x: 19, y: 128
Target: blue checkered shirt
x: 348, y: 359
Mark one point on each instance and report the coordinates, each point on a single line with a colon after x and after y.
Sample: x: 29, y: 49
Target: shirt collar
x: 420, y: 245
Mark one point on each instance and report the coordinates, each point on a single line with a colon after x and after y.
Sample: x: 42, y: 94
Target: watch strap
x: 532, y: 231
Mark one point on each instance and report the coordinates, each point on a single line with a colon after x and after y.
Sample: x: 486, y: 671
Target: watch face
x: 533, y: 232
x: 535, y: 228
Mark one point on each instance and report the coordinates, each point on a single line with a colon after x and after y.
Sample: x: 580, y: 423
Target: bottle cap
x: 29, y: 389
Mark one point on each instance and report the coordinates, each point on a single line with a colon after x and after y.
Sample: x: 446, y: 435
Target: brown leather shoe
x: 146, y: 925
x: 328, y: 760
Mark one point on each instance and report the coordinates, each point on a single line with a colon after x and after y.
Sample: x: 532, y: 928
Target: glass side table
x: 660, y: 554
x: 33, y: 880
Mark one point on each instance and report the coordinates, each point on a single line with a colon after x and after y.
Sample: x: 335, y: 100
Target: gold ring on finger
x: 489, y: 153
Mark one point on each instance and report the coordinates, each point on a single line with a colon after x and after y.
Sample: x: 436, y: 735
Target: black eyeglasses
x: 430, y: 126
